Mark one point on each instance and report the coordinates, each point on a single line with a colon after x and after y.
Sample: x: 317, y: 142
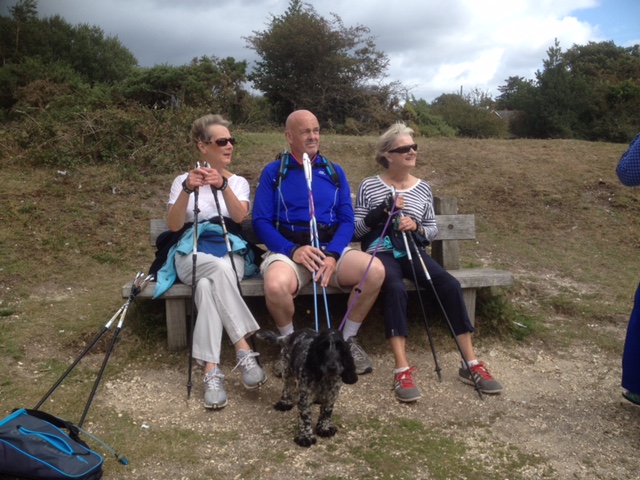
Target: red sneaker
x: 404, y: 386
x: 485, y: 381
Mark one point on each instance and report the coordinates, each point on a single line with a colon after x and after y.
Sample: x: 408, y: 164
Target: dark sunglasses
x: 405, y: 149
x: 222, y: 142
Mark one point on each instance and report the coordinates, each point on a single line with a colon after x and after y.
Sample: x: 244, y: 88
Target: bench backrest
x: 444, y: 249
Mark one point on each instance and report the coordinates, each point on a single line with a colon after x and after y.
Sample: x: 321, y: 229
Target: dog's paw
x: 283, y: 406
x: 326, y: 430
x: 305, y: 440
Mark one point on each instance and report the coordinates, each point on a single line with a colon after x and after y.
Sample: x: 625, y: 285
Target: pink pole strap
x: 366, y: 272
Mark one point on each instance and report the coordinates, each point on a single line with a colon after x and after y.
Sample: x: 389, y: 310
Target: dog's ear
x: 315, y: 358
x: 349, y: 375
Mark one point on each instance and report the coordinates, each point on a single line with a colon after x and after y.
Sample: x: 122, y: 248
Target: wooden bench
x: 445, y: 249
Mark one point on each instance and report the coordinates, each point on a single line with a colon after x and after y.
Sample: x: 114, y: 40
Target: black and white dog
x: 316, y: 365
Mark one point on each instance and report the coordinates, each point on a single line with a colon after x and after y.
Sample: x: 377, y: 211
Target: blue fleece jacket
x: 628, y: 168
x: 333, y: 206
x: 167, y: 275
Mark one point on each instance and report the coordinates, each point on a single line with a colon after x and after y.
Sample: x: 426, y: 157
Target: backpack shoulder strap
x: 331, y: 170
x: 285, y: 165
x: 283, y: 169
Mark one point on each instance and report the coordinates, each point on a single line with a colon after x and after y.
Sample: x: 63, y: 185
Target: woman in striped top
x: 397, y: 153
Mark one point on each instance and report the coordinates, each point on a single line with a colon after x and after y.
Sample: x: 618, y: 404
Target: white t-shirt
x: 206, y: 202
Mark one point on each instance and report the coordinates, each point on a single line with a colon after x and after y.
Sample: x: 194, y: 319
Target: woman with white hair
x: 397, y: 153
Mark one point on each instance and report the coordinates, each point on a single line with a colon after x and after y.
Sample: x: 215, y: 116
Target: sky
x: 433, y: 46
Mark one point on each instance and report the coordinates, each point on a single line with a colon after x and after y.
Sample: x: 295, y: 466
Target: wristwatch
x: 185, y: 188
x: 224, y: 185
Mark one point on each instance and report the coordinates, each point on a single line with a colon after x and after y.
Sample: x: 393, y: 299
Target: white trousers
x: 219, y: 303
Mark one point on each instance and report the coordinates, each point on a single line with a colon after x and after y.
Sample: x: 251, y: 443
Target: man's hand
x: 314, y: 260
x: 326, y: 272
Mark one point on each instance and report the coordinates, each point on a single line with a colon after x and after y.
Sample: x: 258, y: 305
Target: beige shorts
x: 303, y: 275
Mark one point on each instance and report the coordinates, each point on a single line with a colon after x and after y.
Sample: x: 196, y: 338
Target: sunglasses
x: 405, y: 149
x: 222, y: 142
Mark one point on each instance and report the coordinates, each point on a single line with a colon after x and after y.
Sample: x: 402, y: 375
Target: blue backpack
x: 34, y: 445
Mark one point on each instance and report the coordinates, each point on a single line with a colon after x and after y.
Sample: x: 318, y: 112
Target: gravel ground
x: 562, y: 410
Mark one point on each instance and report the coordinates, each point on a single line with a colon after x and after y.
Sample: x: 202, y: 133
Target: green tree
x: 515, y: 94
x: 207, y: 82
x: 25, y: 16
x: 613, y: 74
x: 589, y: 92
x: 310, y: 62
x: 468, y: 120
x: 51, y: 51
x: 420, y: 116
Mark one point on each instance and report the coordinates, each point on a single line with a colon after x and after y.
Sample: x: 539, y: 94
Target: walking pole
x: 194, y: 255
x: 80, y: 357
x: 358, y: 289
x: 230, y: 252
x: 315, y: 241
x: 444, y: 312
x: 138, y: 285
x: 415, y: 279
x: 106, y: 327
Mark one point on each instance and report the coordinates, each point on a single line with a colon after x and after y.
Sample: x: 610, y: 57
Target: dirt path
x: 562, y: 413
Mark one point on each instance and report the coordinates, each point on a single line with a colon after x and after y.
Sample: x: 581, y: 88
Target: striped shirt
x: 418, y: 204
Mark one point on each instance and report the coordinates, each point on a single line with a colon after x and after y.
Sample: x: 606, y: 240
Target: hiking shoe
x: 214, y: 395
x: 404, y: 387
x: 252, y: 374
x: 632, y: 397
x: 486, y: 383
x: 360, y: 358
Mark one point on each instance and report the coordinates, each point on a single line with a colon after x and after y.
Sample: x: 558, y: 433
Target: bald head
x: 302, y: 132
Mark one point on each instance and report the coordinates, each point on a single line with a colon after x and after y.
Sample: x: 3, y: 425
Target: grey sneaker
x: 214, y: 395
x: 252, y: 374
x: 486, y: 383
x: 404, y: 387
x: 361, y: 359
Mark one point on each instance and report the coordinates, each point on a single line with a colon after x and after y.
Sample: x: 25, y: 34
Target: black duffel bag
x: 34, y: 445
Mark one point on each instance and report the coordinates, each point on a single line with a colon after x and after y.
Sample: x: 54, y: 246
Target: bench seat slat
x: 451, y: 228
x: 253, y: 287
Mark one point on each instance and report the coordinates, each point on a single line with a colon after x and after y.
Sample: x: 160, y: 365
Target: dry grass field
x: 551, y: 212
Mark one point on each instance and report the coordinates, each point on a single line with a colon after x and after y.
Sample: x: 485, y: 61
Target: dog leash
x: 358, y: 290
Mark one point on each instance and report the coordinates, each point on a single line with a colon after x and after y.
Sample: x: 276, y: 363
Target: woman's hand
x: 213, y: 177
x: 197, y: 177
x: 407, y: 224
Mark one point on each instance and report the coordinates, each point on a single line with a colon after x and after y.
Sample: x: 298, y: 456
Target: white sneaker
x: 252, y: 374
x: 214, y: 394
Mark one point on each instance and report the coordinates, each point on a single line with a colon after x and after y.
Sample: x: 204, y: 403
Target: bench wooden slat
x: 445, y: 249
x: 253, y: 287
x: 178, y: 297
x: 450, y: 227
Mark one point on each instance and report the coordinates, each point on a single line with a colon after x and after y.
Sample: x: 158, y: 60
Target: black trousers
x: 395, y: 297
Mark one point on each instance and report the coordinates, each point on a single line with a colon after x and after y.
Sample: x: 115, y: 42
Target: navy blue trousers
x: 395, y: 296
x: 631, y: 354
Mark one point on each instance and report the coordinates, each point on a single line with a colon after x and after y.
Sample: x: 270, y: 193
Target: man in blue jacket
x: 281, y: 222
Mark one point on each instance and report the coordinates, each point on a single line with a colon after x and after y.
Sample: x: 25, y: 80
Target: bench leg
x: 176, y: 323
x: 469, y: 295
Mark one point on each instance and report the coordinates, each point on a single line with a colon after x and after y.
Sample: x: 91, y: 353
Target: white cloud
x: 434, y: 46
